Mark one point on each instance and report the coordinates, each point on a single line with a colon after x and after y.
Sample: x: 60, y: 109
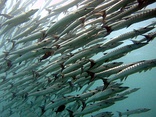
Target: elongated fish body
x: 131, y: 112
x: 31, y: 37
x: 73, y: 25
x: 51, y: 89
x: 35, y: 46
x: 111, y: 71
x: 19, y: 75
x: 128, y: 92
x: 81, y: 39
x: 134, y: 19
x: 73, y: 67
x: 84, y: 53
x: 51, y: 67
x: 88, y: 94
x: 66, y: 7
x: 118, y: 52
x: 131, y: 10
x: 103, y: 114
x: 105, y: 5
x: 117, y: 6
x: 59, y: 102
x: 128, y: 35
x: 105, y: 67
x: 31, y: 54
x: 67, y: 20
x: 20, y: 17
x: 26, y: 32
x: 10, y: 26
x: 138, y: 67
x: 93, y: 107
x: 105, y: 94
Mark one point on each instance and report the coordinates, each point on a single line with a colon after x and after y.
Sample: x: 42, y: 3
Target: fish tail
x: 120, y: 115
x: 106, y: 83
x: 70, y: 112
x: 42, y: 110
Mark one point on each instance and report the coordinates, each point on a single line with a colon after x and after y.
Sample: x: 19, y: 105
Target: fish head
x: 31, y: 12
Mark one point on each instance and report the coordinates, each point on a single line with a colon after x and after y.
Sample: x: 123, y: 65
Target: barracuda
x: 34, y: 36
x: 71, y: 17
x: 117, y: 6
x: 73, y: 25
x: 131, y: 112
x: 20, y: 17
x: 66, y: 7
x: 128, y: 35
x: 111, y: 71
x: 73, y: 67
x: 134, y: 19
x: 138, y: 67
x: 26, y: 32
x: 88, y: 52
x: 106, y: 67
x: 59, y: 102
x: 105, y: 5
x: 31, y: 54
x: 82, y: 39
x: 51, y: 89
x: 128, y: 92
x: 118, y: 53
x: 67, y: 20
x: 92, y: 108
x: 10, y: 26
x: 52, y: 67
x: 31, y: 47
x: 105, y: 94
x: 131, y: 10
x: 103, y: 114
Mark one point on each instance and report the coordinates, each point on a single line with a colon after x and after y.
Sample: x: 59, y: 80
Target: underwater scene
x: 77, y: 58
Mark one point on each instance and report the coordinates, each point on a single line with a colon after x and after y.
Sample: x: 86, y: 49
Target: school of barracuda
x: 47, y: 64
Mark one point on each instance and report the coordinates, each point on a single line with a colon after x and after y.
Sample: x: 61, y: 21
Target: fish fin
x: 82, y: 20
x: 128, y: 25
x: 91, y: 74
x: 71, y: 84
x: 83, y: 104
x: 106, y: 83
x: 105, y: 53
x: 135, y: 42
x: 62, y: 66
x: 140, y: 3
x: 92, y: 63
x: 123, y: 78
x: 108, y: 29
x: 70, y: 112
x: 120, y: 114
x: 55, y: 37
x: 42, y: 110
x: 48, y: 10
x: 52, y: 101
x: 6, y: 53
x: 148, y: 37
